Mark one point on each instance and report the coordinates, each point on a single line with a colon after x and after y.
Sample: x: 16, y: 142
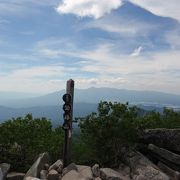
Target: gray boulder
x: 96, y: 170
x: 165, y: 138
x: 38, y: 165
x: 4, y: 169
x: 149, y: 173
x: 85, y: 171
x: 53, y: 175
x: 1, y: 174
x: 46, y: 166
x: 70, y: 167
x: 57, y: 165
x: 170, y: 172
x: 73, y: 175
x: 165, y: 154
x: 144, y: 169
x: 15, y: 176
x: 124, y: 170
x: 31, y: 178
x: 43, y: 174
x: 110, y: 174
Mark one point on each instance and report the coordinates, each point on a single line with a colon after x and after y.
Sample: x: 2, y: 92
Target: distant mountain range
x: 85, y: 101
x: 54, y: 113
x: 95, y: 95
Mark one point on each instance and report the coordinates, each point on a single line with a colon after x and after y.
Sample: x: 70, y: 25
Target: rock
x: 15, y: 176
x: 1, y: 174
x: 97, y: 178
x: 73, y: 175
x: 136, y: 159
x: 53, y: 175
x: 46, y: 166
x: 70, y: 167
x: 96, y: 170
x: 144, y: 169
x: 149, y: 173
x: 172, y: 157
x: 38, y: 165
x: 4, y: 170
x: 124, y: 170
x: 57, y: 165
x: 170, y: 172
x: 164, y: 138
x: 59, y: 170
x: 85, y: 171
x: 31, y: 178
x: 110, y: 174
x: 43, y: 174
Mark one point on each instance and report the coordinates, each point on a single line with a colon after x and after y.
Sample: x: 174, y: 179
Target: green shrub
x: 22, y: 139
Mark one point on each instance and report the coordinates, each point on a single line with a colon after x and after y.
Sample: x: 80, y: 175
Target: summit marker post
x: 68, y: 117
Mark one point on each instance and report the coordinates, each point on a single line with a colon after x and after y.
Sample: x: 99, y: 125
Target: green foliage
x: 171, y: 119
x: 168, y: 119
x: 104, y: 134
x: 22, y: 139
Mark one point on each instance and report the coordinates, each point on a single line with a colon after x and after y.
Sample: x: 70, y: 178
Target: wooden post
x: 70, y: 90
x: 68, y: 131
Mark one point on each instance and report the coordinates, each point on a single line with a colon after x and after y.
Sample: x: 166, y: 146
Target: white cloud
x: 161, y: 7
x: 100, y: 82
x: 36, y: 79
x: 100, y: 67
x: 159, y: 72
x: 137, y: 51
x: 91, y: 8
x: 128, y: 27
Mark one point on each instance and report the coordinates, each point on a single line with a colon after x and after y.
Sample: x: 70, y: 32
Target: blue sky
x: 130, y: 44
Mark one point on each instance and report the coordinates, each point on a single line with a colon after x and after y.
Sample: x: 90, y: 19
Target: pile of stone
x: 140, y: 168
x: 41, y: 169
x: 163, y: 147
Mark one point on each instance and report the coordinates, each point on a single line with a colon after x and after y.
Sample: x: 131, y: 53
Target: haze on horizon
x: 124, y: 44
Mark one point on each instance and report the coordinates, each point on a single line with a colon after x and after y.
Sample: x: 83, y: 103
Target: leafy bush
x: 106, y: 132
x: 22, y: 139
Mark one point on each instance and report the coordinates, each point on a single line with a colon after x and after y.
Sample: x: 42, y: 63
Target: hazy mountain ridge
x: 54, y: 113
x: 95, y: 95
x: 85, y: 102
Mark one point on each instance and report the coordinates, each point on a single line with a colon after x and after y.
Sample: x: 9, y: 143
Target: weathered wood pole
x: 68, y: 123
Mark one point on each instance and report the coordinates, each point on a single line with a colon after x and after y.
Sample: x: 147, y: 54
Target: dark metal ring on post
x: 67, y: 98
x: 66, y: 126
x: 67, y: 108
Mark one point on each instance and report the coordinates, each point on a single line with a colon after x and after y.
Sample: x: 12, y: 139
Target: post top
x: 70, y: 83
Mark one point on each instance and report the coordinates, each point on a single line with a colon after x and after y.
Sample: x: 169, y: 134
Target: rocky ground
x: 160, y: 162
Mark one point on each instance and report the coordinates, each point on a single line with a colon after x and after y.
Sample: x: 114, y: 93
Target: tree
x: 105, y: 133
x: 22, y: 139
x: 115, y: 127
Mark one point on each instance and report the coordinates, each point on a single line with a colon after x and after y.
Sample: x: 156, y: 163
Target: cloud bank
x: 91, y: 8
x: 161, y: 8
x: 97, y: 9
